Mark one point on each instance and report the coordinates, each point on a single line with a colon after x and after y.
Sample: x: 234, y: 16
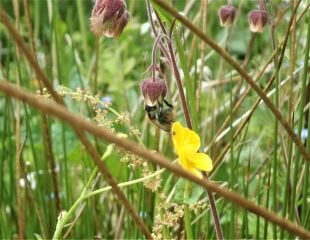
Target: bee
x: 161, y: 114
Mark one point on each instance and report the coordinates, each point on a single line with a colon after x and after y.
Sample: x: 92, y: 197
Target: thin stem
x: 258, y: 101
x: 158, y: 38
x: 262, y: 4
x: 276, y: 123
x: 217, y: 224
x: 21, y: 223
x: 240, y: 70
x: 65, y: 216
x: 300, y: 122
x: 84, y: 124
x: 216, y: 219
x: 177, y: 76
x: 187, y: 221
x: 149, y: 15
x: 125, y: 184
x: 204, y: 9
x: 81, y: 135
x: 46, y: 132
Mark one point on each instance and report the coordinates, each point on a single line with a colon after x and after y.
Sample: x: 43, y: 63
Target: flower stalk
x: 173, y: 63
x: 154, y: 66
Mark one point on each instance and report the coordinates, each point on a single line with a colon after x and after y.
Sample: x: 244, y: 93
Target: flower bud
x: 109, y: 17
x: 257, y: 20
x: 227, y: 15
x: 153, y: 91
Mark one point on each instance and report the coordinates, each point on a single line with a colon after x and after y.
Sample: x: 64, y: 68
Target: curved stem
x: 92, y: 151
x: 149, y: 15
x: 65, y: 216
x: 157, y: 40
x: 124, y: 184
x: 177, y: 76
x: 240, y: 70
x: 219, y: 231
x: 84, y: 124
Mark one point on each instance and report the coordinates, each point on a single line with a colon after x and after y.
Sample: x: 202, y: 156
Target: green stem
x: 189, y: 84
x: 84, y: 196
x: 65, y: 216
x: 305, y: 194
x: 276, y: 126
x: 216, y: 219
x: 80, y: 9
x: 188, y: 228
x: 197, y: 31
x: 300, y: 124
x: 101, y: 190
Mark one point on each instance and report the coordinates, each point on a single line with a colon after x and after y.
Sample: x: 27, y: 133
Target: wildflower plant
x: 227, y: 14
x: 258, y: 18
x: 187, y: 143
x: 132, y: 162
x: 109, y: 17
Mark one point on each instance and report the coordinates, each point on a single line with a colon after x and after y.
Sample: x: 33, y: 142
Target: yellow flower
x: 187, y: 143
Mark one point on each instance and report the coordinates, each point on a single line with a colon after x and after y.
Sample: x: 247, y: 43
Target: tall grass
x: 247, y: 97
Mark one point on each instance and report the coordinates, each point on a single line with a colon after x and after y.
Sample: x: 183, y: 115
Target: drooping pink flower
x: 257, y: 20
x: 153, y: 91
x: 227, y: 15
x: 109, y: 17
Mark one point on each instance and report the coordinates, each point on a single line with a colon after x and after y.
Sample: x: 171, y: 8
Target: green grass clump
x: 51, y: 187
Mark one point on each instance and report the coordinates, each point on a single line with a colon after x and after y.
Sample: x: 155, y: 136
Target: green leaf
x: 195, y: 192
x: 179, y: 191
x: 37, y: 236
x: 165, y: 18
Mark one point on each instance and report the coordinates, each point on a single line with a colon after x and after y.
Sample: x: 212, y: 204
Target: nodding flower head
x: 109, y: 17
x: 153, y: 91
x: 227, y: 15
x: 257, y: 20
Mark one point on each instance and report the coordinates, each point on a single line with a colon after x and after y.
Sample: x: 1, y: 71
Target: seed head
x: 227, y: 15
x: 257, y: 20
x: 109, y: 17
x: 153, y: 91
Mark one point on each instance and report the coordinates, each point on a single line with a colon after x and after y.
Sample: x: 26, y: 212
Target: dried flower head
x: 153, y: 91
x: 109, y: 17
x: 227, y: 15
x: 257, y: 20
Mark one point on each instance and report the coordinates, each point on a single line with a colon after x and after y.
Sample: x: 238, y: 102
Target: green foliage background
x: 67, y: 51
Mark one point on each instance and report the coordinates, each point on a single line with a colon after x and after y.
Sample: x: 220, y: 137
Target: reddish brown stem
x: 240, y: 70
x: 92, y: 151
x: 83, y: 124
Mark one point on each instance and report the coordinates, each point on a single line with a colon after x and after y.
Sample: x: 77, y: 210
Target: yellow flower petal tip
x: 187, y: 143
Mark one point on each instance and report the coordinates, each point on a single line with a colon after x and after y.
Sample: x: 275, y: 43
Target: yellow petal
x: 177, y: 138
x: 189, y: 168
x: 184, y: 139
x: 200, y: 161
x: 191, y: 140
